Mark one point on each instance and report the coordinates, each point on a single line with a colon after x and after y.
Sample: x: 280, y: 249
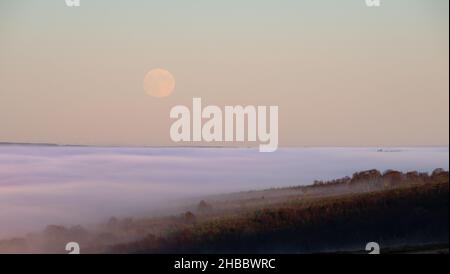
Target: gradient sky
x: 342, y: 74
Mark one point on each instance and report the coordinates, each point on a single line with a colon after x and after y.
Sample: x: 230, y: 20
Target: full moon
x: 159, y: 83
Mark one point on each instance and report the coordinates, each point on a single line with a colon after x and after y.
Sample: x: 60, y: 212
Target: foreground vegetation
x: 404, y: 216
x: 402, y: 212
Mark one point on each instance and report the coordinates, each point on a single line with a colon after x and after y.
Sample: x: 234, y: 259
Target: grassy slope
x: 413, y: 215
x: 338, y: 216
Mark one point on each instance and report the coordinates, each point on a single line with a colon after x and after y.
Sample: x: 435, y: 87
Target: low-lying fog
x: 41, y: 185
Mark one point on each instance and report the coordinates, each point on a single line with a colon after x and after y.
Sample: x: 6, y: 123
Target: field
x: 402, y: 212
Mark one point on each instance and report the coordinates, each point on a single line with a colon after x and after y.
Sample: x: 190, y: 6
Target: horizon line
x: 5, y: 143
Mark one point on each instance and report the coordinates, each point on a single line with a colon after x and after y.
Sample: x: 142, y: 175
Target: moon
x: 159, y: 83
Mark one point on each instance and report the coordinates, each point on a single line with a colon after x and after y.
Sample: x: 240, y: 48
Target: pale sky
x: 341, y: 73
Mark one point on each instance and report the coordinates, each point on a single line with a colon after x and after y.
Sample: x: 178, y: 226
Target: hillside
x: 412, y: 216
x: 402, y: 212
